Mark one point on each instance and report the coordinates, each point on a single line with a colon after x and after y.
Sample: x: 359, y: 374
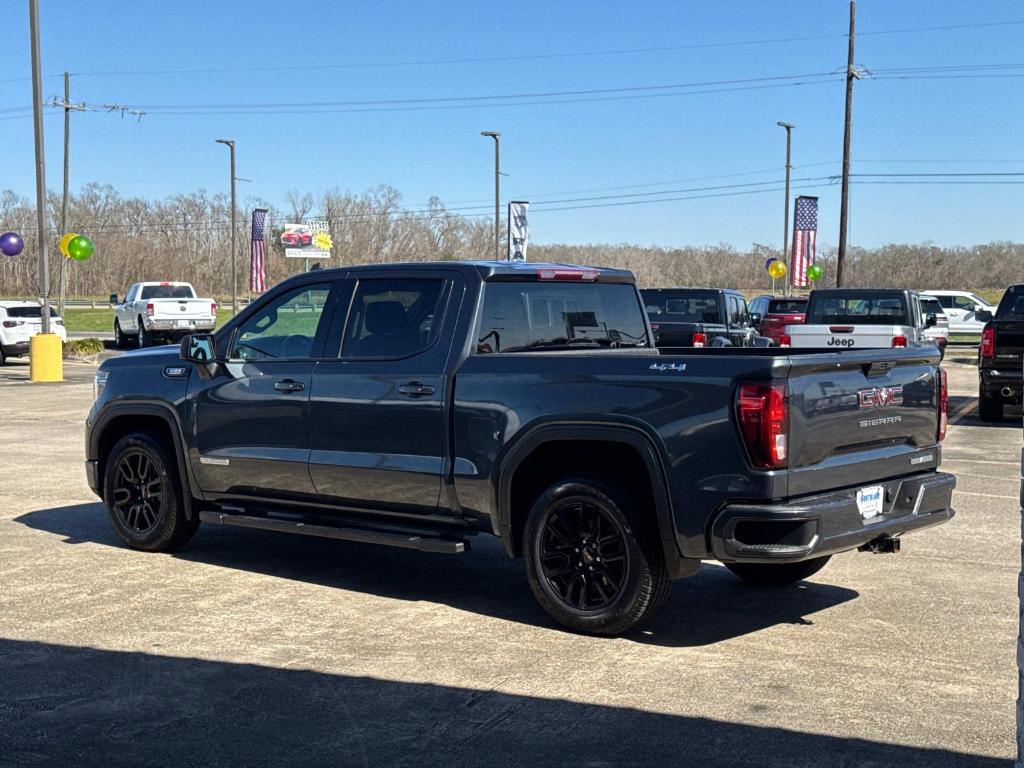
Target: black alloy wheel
x: 583, y: 554
x: 138, y: 492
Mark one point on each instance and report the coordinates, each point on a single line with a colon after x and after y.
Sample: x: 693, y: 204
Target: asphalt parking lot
x: 248, y: 648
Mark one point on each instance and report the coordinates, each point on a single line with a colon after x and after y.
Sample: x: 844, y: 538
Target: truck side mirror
x: 113, y: 300
x: 930, y: 320
x: 982, y: 315
x: 755, y: 318
x: 198, y: 348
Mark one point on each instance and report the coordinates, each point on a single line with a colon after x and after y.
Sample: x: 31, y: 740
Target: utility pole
x: 497, y: 191
x: 230, y: 143
x: 844, y: 204
x: 785, y: 225
x: 64, y: 199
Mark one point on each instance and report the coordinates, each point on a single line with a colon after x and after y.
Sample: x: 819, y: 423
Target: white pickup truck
x: 862, y: 318
x: 166, y: 311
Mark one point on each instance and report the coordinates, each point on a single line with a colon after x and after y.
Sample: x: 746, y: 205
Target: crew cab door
x: 251, y: 413
x: 125, y: 311
x: 738, y: 321
x: 378, y: 402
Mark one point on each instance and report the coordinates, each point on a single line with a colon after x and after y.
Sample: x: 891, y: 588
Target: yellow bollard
x: 46, y: 357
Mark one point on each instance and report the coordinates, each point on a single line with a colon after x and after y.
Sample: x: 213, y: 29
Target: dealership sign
x: 307, y: 240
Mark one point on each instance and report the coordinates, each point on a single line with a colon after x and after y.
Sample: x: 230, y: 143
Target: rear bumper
x: 16, y: 349
x: 995, y: 383
x: 829, y: 523
x: 171, y: 326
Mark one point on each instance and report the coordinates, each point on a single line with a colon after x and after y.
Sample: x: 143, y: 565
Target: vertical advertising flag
x: 518, y: 230
x: 805, y: 239
x: 258, y: 252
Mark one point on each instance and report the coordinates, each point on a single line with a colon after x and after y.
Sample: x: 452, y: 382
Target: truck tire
x: 591, y: 561
x: 989, y: 408
x: 120, y: 339
x: 143, y: 338
x: 142, y: 491
x: 778, y: 574
x: 3, y: 357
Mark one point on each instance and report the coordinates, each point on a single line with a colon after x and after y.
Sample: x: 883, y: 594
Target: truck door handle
x: 289, y: 385
x: 416, y: 389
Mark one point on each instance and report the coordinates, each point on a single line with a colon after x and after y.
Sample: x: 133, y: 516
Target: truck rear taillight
x: 568, y: 274
x: 988, y: 342
x: 150, y: 309
x: 899, y: 341
x: 655, y: 327
x: 763, y: 414
x: 699, y: 339
x: 943, y: 404
x: 213, y: 308
x: 785, y: 340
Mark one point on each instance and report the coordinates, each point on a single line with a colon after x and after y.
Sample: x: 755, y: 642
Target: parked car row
x: 19, y: 322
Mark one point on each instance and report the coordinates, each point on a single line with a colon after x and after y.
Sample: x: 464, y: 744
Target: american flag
x: 258, y: 253
x: 805, y: 239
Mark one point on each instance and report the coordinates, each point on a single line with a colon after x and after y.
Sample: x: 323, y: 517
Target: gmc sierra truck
x: 418, y: 405
x: 1001, y: 355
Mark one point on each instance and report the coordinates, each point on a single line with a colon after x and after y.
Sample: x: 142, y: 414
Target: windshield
x: 682, y: 306
x: 850, y: 309
x: 167, y: 292
x: 787, y: 306
x: 523, y: 316
x: 28, y: 312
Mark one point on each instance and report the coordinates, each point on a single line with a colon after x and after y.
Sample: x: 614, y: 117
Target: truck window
x: 285, y: 328
x: 1011, y: 305
x: 167, y: 292
x: 682, y: 307
x: 520, y: 316
x: 787, y: 306
x: 876, y: 309
x: 393, y: 317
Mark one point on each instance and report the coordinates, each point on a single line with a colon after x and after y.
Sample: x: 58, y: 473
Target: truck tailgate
x: 862, y: 418
x: 1009, y: 344
x: 841, y: 336
x: 181, y: 309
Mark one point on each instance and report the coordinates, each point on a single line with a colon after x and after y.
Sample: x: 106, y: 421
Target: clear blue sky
x: 550, y: 151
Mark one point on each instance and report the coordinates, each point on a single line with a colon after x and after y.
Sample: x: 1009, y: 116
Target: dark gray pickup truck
x: 418, y: 405
x: 1001, y: 355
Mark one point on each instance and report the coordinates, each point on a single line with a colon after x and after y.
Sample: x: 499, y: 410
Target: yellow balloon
x: 776, y: 269
x: 64, y: 243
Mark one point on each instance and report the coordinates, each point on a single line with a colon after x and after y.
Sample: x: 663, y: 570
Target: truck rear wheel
x: 143, y: 338
x: 590, y: 561
x: 778, y: 574
x: 989, y: 408
x: 142, y: 491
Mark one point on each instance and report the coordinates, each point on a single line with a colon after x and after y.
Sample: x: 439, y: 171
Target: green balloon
x: 80, y: 248
x: 814, y: 273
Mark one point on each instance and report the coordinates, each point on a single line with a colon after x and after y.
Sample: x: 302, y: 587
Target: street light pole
x: 785, y: 226
x: 844, y: 195
x: 37, y: 115
x: 230, y: 143
x: 497, y: 191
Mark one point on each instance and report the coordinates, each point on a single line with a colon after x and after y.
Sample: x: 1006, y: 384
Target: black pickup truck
x: 417, y: 405
x: 1001, y: 355
x: 702, y: 317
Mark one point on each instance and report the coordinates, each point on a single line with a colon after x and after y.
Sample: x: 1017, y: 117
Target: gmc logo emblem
x: 878, y: 397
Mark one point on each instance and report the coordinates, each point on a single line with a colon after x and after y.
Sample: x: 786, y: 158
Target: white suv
x: 961, y: 308
x: 20, y: 321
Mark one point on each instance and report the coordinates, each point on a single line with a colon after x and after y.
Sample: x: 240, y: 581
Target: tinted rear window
x: 850, y: 309
x: 787, y: 306
x: 688, y: 307
x: 28, y: 312
x: 167, y: 292
x: 522, y: 316
x: 1011, y: 305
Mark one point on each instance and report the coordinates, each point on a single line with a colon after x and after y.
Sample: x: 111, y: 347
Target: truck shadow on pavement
x: 66, y: 705
x: 963, y: 411
x: 702, y: 610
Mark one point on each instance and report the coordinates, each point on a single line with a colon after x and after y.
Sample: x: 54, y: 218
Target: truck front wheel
x: 778, y: 574
x: 592, y: 563
x: 142, y: 491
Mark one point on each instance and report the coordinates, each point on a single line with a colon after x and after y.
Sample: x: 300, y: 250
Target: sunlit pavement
x: 249, y: 648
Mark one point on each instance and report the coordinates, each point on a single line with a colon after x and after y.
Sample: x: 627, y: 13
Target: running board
x: 364, y: 535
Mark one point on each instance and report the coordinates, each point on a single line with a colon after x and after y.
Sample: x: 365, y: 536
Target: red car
x: 297, y: 238
x: 777, y: 312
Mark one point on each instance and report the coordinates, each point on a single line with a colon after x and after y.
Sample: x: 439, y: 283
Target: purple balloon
x: 11, y: 243
x: 768, y: 262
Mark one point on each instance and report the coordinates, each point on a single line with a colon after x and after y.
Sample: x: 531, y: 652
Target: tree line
x: 188, y: 237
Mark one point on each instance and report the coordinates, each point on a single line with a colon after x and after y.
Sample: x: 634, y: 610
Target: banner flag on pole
x: 258, y: 252
x: 518, y: 230
x: 805, y: 239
